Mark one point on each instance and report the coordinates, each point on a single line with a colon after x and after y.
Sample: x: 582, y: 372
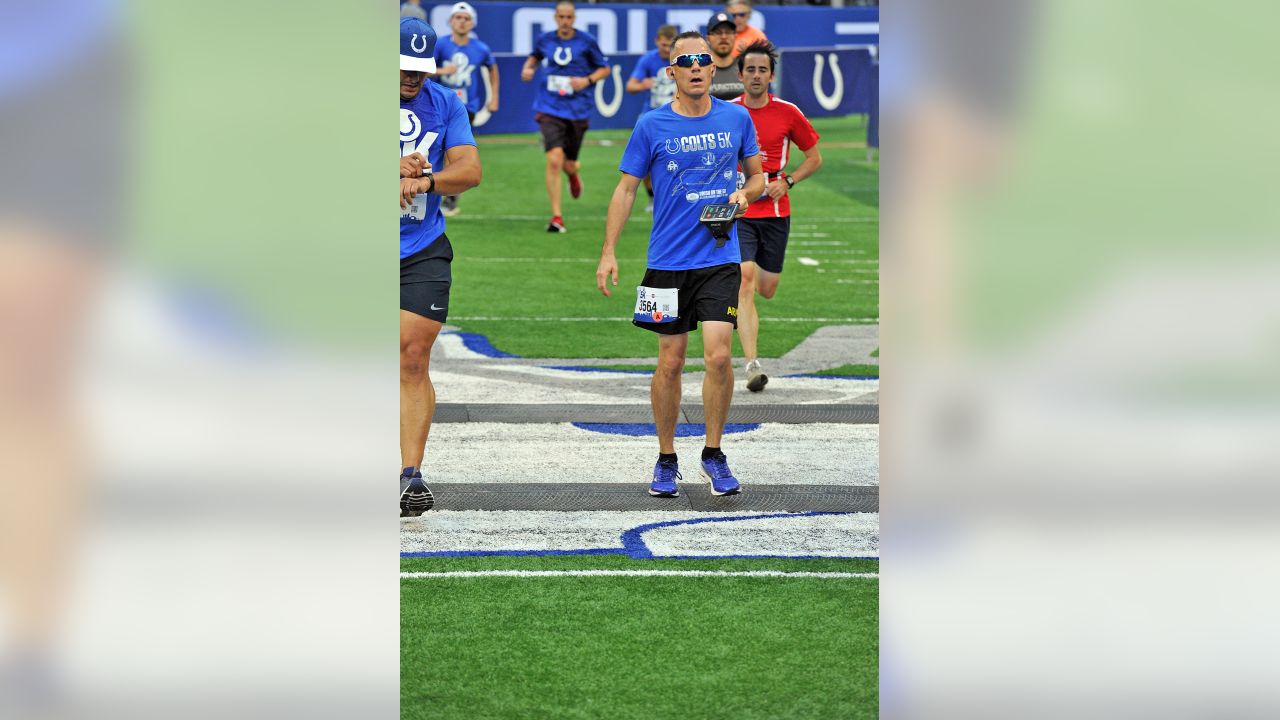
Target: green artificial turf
x: 638, y: 647
x: 851, y: 371
x: 533, y: 293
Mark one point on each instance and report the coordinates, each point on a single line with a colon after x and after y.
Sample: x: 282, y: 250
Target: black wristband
x: 432, y: 187
x: 790, y: 181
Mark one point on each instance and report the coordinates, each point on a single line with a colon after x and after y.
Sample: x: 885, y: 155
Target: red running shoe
x: 556, y: 225
x: 575, y: 186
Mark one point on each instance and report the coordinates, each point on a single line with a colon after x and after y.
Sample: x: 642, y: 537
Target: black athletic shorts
x: 764, y: 241
x: 425, y: 279
x: 709, y: 293
x: 558, y: 132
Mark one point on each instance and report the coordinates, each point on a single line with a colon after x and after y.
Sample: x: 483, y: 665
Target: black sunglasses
x: 747, y: 14
x: 687, y: 60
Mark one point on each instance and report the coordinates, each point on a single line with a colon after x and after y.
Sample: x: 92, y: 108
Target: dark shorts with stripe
x: 764, y: 241
x: 709, y: 293
x: 558, y: 132
x: 425, y: 279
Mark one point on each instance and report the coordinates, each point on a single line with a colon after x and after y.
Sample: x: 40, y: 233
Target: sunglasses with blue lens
x: 741, y: 14
x: 687, y: 61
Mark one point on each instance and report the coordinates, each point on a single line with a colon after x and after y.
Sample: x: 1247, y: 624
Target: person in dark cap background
x: 722, y: 33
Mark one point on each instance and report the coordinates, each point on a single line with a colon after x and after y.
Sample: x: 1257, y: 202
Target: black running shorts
x: 557, y: 132
x: 709, y: 293
x: 425, y: 279
x: 764, y: 241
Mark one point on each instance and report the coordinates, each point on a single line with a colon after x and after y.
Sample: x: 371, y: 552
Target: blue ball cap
x: 718, y: 19
x: 417, y: 46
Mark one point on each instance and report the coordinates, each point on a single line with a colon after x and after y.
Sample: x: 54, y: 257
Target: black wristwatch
x: 790, y: 181
x: 432, y: 187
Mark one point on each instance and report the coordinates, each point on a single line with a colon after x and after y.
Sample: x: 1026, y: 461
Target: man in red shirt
x: 763, y: 232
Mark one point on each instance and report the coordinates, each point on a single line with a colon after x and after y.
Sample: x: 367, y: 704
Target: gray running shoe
x: 756, y: 379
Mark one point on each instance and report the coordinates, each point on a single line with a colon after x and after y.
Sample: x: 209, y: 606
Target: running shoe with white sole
x: 665, y: 475
x: 415, y: 496
x: 756, y: 379
x: 556, y: 225
x: 716, y: 471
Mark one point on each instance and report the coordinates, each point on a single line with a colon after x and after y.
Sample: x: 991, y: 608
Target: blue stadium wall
x: 828, y: 62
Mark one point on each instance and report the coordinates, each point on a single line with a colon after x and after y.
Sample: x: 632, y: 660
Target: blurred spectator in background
x: 651, y: 74
x: 413, y: 9
x: 740, y: 11
x: 457, y: 57
x: 721, y: 35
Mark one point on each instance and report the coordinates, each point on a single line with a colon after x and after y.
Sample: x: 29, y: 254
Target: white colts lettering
x: 832, y: 101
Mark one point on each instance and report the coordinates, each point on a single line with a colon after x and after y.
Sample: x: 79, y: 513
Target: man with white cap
x: 457, y: 58
x: 434, y: 132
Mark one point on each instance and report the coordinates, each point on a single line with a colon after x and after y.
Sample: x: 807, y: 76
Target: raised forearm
x: 457, y: 177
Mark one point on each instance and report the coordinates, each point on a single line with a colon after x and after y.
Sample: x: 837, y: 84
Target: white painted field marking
x: 490, y: 318
x: 633, y: 573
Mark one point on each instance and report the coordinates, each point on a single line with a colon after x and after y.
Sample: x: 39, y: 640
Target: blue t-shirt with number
x: 693, y: 162
x: 652, y: 65
x: 562, y: 59
x: 467, y: 81
x: 431, y: 123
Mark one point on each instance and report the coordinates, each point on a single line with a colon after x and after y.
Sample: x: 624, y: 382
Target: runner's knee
x: 415, y: 359
x: 718, y: 359
x: 555, y: 159
x: 669, y: 367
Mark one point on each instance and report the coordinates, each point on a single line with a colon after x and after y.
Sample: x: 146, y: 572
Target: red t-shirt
x: 779, y: 125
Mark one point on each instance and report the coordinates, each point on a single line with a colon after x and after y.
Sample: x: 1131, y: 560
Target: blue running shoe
x: 665, y: 475
x: 415, y: 496
x: 716, y: 470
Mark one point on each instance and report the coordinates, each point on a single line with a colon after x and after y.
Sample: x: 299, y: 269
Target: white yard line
x: 634, y: 573
x: 616, y: 318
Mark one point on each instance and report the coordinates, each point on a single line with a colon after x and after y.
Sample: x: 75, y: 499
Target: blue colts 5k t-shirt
x: 693, y: 162
x: 467, y: 81
x: 561, y: 59
x: 431, y: 123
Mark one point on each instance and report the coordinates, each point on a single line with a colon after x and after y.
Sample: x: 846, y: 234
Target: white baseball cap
x: 464, y: 8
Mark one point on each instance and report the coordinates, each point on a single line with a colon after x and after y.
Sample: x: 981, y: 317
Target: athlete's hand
x: 447, y: 69
x: 414, y: 165
x: 579, y: 83
x: 776, y: 189
x: 741, y: 198
x: 493, y: 105
x: 646, y: 84
x: 408, y: 189
x: 526, y: 73
x: 608, y: 268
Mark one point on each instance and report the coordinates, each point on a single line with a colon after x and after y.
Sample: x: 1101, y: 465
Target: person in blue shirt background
x: 692, y: 147
x: 434, y: 133
x: 651, y: 74
x: 457, y: 59
x: 573, y: 63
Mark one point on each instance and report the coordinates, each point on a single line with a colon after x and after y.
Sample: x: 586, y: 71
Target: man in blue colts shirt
x: 572, y: 63
x: 434, y: 132
x: 692, y: 148
x: 458, y: 57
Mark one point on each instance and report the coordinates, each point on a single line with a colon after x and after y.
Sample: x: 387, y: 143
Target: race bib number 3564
x: 657, y: 305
